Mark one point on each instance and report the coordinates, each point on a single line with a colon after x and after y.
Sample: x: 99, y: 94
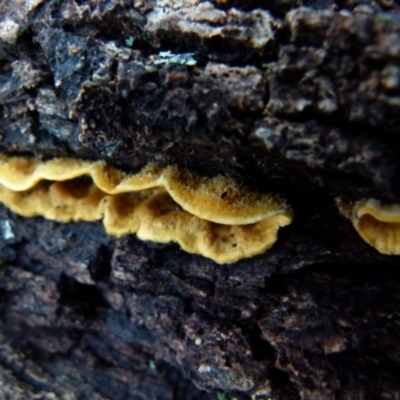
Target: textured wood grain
x: 304, y: 100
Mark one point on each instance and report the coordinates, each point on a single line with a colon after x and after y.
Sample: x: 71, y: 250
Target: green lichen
x: 129, y: 41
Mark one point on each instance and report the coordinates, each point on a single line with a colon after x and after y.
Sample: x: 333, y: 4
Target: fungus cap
x: 219, y: 199
x: 378, y: 224
x: 214, y: 217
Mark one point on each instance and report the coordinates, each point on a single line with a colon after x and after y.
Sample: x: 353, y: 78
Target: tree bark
x: 302, y: 99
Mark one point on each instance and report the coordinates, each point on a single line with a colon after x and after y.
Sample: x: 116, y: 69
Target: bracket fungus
x: 377, y: 223
x: 215, y: 217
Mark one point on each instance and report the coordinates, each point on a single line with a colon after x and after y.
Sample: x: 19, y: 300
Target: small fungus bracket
x: 377, y: 223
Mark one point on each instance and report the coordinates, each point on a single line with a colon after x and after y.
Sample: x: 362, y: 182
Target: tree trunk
x: 302, y: 99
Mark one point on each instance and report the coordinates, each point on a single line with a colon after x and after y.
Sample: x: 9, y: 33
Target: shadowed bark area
x: 296, y: 98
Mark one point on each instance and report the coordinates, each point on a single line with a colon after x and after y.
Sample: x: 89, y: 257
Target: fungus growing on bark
x: 378, y: 224
x: 215, y: 217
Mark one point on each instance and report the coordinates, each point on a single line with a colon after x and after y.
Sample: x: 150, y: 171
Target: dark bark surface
x: 304, y: 101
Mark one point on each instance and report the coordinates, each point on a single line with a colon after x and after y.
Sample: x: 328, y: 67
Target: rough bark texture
x: 303, y: 99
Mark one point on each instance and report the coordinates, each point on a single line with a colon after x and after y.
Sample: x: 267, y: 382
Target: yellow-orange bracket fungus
x: 215, y: 217
x: 378, y: 224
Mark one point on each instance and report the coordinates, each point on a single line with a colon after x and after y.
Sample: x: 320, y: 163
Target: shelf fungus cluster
x: 215, y: 217
x: 378, y: 224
